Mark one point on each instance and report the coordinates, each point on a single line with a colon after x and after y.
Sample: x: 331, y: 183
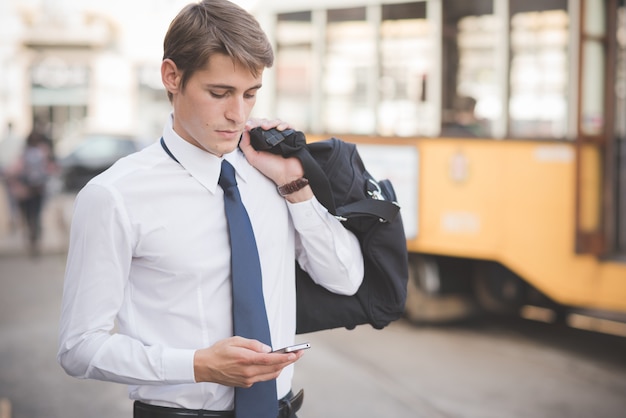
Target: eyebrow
x: 227, y: 87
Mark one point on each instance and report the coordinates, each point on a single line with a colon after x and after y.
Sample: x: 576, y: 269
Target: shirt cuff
x: 307, y: 215
x: 178, y: 365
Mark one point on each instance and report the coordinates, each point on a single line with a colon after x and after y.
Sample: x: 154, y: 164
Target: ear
x: 170, y: 76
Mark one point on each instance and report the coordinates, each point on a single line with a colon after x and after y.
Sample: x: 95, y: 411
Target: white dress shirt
x: 148, y: 271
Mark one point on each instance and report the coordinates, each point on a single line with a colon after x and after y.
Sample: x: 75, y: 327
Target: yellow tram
x: 502, y: 124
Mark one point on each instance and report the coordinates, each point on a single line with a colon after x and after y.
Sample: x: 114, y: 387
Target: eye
x: 217, y: 95
x: 251, y: 94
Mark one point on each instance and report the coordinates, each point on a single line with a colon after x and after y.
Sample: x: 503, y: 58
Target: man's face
x: 212, y: 110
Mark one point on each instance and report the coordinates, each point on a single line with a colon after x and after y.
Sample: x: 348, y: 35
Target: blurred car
x: 92, y: 155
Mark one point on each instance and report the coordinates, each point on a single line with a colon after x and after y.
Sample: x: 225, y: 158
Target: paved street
x: 487, y: 369
x: 490, y: 368
x: 30, y: 295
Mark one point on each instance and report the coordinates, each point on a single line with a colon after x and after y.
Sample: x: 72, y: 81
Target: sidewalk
x: 56, y: 218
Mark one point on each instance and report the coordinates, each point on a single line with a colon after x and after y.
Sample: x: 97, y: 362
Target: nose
x: 236, y: 110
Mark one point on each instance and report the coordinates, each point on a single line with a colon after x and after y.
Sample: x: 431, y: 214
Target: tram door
x: 601, y: 143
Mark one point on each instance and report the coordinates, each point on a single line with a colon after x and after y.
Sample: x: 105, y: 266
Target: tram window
x: 294, y: 68
x: 539, y: 69
x: 405, y: 58
x: 470, y: 96
x: 348, y: 65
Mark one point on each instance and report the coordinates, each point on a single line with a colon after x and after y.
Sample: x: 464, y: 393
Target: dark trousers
x: 30, y: 209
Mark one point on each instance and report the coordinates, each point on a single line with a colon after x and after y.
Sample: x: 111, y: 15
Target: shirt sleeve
x: 97, y: 271
x: 326, y: 250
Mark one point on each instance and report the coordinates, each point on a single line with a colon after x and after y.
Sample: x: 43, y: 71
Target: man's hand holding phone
x: 237, y: 361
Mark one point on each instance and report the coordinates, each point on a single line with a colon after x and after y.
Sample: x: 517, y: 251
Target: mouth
x: 229, y: 133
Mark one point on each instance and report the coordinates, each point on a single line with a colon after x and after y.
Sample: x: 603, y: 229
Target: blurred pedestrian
x: 27, y: 178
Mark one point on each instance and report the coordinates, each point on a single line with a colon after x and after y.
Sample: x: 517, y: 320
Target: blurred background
x: 501, y: 123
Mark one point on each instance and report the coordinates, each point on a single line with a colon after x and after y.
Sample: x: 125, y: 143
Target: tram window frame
x: 600, y: 151
x: 436, y: 100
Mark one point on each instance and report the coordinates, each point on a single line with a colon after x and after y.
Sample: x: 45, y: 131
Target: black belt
x: 287, y: 407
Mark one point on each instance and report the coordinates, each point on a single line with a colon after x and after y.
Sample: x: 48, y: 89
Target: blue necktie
x: 249, y: 315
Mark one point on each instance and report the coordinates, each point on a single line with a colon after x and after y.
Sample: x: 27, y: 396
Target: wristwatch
x: 294, y: 186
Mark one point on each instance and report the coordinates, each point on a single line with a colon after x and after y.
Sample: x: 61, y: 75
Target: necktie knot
x: 227, y: 175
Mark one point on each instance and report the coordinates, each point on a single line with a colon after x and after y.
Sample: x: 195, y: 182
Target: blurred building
x: 83, y: 66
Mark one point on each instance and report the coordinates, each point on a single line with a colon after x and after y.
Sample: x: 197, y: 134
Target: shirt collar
x: 202, y: 165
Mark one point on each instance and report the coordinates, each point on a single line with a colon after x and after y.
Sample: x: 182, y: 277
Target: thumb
x: 254, y: 345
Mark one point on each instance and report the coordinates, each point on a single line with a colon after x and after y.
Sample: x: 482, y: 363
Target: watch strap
x: 292, y: 187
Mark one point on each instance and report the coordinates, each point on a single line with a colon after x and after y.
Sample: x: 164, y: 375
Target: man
x: 150, y: 250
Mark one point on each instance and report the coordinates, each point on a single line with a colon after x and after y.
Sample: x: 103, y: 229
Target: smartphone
x: 293, y: 348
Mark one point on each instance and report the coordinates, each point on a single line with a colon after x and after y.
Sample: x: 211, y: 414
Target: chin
x: 221, y: 149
